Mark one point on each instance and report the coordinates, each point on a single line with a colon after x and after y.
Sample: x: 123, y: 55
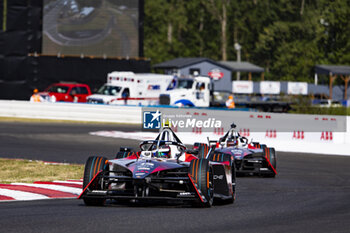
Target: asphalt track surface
x: 311, y: 193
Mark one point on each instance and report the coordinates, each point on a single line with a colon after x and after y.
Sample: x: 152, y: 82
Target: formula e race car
x: 249, y: 158
x: 163, y: 170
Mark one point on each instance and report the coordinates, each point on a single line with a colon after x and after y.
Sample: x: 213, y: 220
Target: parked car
x: 326, y: 103
x: 65, y: 91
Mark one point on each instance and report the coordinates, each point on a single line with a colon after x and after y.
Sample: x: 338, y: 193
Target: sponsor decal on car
x: 99, y: 191
x: 254, y: 161
x: 218, y: 177
x: 264, y: 169
x: 186, y: 194
x: 146, y: 164
x: 237, y: 152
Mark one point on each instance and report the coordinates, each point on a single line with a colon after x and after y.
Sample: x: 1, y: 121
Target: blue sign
x: 151, y: 119
x: 153, y: 87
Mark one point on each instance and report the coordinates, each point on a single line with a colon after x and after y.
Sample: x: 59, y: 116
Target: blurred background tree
x: 287, y: 38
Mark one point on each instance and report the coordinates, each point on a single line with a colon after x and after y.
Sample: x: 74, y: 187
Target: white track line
x: 81, y: 180
x: 21, y: 195
x: 61, y: 188
x: 67, y: 182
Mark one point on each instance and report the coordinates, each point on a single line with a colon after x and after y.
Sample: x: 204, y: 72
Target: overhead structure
x: 334, y: 71
x: 244, y: 67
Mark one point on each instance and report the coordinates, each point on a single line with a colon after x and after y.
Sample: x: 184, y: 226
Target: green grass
x: 27, y: 171
x: 341, y: 111
x: 302, y: 105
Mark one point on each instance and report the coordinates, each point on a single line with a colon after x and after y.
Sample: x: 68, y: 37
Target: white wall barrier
x: 71, y: 111
x: 322, y: 134
x: 285, y: 132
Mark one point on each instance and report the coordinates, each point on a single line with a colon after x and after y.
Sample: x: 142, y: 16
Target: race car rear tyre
x: 222, y: 157
x: 196, y: 145
x: 203, y: 149
x: 272, y: 157
x: 256, y: 144
x: 202, y: 175
x: 233, y: 184
x: 93, y: 165
x: 123, y: 154
x: 233, y: 176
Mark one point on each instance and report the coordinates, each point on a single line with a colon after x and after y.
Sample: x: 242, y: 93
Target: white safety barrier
x: 285, y: 132
x: 71, y: 111
x: 321, y: 134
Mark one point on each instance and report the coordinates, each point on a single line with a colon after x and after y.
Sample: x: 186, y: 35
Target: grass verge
x: 340, y: 111
x: 28, y: 171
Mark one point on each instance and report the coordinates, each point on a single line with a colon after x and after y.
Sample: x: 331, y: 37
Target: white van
x: 188, y: 92
x: 132, y: 89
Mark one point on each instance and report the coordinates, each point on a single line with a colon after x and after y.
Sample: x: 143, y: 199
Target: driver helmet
x: 163, y: 152
x: 232, y: 142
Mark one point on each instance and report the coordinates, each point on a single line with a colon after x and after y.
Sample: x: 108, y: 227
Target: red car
x: 66, y: 92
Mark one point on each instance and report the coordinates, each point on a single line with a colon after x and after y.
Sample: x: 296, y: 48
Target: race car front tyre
x: 203, y: 149
x: 202, y: 175
x: 93, y: 165
x: 220, y: 157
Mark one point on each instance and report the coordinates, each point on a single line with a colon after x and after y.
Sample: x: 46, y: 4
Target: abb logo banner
x: 326, y: 136
x: 298, y: 135
x: 271, y: 133
x: 197, y: 130
x: 219, y: 131
x: 244, y: 132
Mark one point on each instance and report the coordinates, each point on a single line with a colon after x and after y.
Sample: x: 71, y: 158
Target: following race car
x: 249, y: 158
x: 163, y: 169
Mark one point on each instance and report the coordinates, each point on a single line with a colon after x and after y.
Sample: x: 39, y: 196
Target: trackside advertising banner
x: 242, y: 87
x: 270, y: 87
x: 205, y: 120
x: 297, y: 88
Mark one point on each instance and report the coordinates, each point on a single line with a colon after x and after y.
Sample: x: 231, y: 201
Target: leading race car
x: 249, y: 158
x: 162, y: 170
